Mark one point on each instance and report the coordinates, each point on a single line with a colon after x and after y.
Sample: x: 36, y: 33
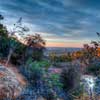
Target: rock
x: 10, y: 87
x: 2, y: 74
x: 41, y: 98
x: 55, y: 70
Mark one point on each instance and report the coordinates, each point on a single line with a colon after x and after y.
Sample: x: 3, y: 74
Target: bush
x: 93, y: 69
x: 40, y: 64
x: 34, y: 72
x: 55, y: 81
x: 18, y: 57
x: 70, y: 78
x: 37, y: 54
x: 49, y: 95
x: 62, y: 58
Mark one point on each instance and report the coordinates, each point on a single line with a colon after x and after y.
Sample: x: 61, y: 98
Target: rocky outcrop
x: 10, y: 87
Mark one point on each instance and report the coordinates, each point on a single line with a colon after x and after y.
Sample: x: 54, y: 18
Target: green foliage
x: 13, y: 42
x: 37, y: 54
x: 93, y: 69
x: 18, y: 57
x: 4, y: 46
x: 16, y: 52
x: 55, y: 81
x: 29, y: 61
x: 35, y: 72
x: 36, y: 69
x: 9, y: 42
x: 4, y: 41
x: 39, y: 64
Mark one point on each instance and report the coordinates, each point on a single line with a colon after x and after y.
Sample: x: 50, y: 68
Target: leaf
x: 98, y: 34
x: 19, y: 21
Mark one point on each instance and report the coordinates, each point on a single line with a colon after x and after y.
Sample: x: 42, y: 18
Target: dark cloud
x: 63, y: 19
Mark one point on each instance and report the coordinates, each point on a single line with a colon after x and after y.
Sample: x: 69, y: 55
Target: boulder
x: 10, y: 87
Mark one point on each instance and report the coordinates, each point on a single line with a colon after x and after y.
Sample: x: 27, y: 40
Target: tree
x: 18, y: 28
x: 4, y: 45
x: 34, y: 41
x: 90, y: 51
x: 3, y: 30
x: 36, y: 45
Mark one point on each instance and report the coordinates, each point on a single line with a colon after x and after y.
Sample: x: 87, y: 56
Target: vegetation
x: 93, y: 69
x: 35, y: 43
x: 70, y: 78
x: 60, y: 58
x: 35, y: 70
x: 13, y: 41
x: 13, y: 50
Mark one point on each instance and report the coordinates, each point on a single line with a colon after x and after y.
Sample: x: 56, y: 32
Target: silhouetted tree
x: 90, y: 51
x: 18, y: 28
x: 34, y: 41
x: 4, y: 45
x: 36, y: 45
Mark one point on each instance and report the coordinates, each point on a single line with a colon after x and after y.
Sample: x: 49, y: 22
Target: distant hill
x: 60, y: 50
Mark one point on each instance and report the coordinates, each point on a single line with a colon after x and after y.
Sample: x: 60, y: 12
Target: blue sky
x: 58, y: 21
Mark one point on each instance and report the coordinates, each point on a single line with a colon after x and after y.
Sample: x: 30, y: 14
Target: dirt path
x: 19, y: 76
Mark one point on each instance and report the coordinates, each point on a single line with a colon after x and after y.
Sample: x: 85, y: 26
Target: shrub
x: 34, y: 71
x: 49, y: 95
x: 70, y: 78
x: 18, y: 57
x: 37, y: 54
x: 55, y: 79
x: 41, y: 64
x: 93, y: 69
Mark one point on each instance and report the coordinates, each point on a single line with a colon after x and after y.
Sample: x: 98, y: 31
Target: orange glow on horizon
x: 74, y: 44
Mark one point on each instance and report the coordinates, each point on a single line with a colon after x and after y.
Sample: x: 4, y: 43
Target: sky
x: 62, y: 23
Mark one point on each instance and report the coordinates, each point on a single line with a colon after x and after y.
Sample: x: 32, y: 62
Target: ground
x: 11, y: 81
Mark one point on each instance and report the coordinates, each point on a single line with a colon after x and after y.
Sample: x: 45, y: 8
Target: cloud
x: 55, y: 20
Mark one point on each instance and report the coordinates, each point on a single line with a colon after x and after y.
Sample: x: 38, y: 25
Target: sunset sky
x: 62, y: 23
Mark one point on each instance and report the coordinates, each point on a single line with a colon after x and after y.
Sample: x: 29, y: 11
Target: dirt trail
x: 14, y: 68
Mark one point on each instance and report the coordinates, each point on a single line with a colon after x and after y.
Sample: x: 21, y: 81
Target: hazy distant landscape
x: 60, y: 50
x: 63, y: 49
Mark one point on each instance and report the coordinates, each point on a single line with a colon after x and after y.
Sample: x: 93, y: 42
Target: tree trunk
x: 9, y: 57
